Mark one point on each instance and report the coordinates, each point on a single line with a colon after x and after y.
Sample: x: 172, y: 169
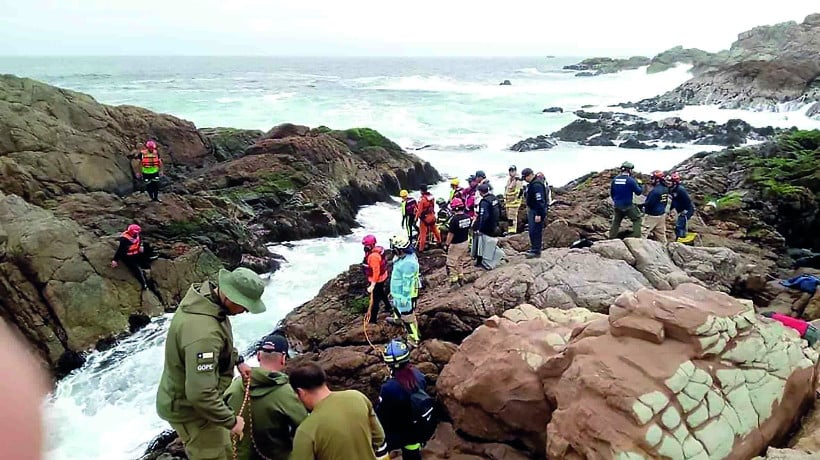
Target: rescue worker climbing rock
x: 426, y: 214
x: 512, y: 198
x: 150, y: 169
x: 404, y: 285
x: 682, y: 204
x: 404, y: 409
x: 458, y: 230
x: 622, y: 188
x: 654, y: 223
x: 342, y: 425
x: 375, y: 270
x: 537, y: 206
x: 133, y: 253
x: 409, y: 221
x: 274, y: 410
x: 199, y: 361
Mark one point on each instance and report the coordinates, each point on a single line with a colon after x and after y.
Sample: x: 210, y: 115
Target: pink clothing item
x: 797, y: 324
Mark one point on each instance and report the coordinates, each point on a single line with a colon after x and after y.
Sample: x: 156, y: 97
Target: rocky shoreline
x: 67, y: 189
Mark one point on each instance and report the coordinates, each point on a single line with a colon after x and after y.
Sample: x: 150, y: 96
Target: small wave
x: 227, y: 100
x: 529, y: 71
x: 277, y: 97
x: 456, y: 147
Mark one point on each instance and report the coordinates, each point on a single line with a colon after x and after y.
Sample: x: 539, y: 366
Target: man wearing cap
x: 537, y: 205
x: 199, y: 361
x: 512, y: 198
x: 275, y: 410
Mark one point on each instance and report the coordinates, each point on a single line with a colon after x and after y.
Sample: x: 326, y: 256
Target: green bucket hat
x: 244, y: 287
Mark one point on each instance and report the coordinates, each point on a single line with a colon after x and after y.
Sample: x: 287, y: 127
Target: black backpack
x: 423, y: 408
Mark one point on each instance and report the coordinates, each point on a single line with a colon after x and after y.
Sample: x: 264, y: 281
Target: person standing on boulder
x: 512, y: 198
x: 274, y: 410
x: 622, y: 189
x: 199, y: 362
x: 682, y: 204
x: 150, y: 169
x: 487, y: 221
x: 426, y: 214
x: 375, y: 270
x: 655, y: 208
x: 132, y: 252
x: 408, y: 214
x: 404, y: 285
x: 405, y: 409
x: 342, y: 425
x: 537, y: 207
x: 458, y: 231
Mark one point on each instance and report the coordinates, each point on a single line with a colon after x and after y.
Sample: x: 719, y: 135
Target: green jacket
x: 199, y: 361
x: 276, y: 412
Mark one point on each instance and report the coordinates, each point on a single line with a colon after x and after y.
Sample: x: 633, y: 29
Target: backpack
x: 422, y: 408
x: 496, y: 207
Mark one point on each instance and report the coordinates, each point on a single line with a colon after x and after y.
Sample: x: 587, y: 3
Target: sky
x: 381, y: 28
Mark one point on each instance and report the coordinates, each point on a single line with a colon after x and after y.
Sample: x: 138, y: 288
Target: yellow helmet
x: 454, y: 182
x: 403, y: 193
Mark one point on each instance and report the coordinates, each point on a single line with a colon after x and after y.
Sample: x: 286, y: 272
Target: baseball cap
x: 273, y: 343
x: 526, y: 172
x: 484, y: 188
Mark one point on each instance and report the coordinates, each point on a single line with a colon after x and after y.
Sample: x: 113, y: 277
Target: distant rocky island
x: 765, y: 67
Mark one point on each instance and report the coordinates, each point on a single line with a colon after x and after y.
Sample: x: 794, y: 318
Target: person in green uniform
x: 199, y: 361
x: 275, y: 410
x: 342, y: 424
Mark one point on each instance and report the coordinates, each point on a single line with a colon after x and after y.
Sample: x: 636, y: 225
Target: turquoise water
x: 106, y: 409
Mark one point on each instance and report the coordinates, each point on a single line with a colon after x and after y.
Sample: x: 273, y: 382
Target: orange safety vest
x: 134, y: 249
x: 150, y: 159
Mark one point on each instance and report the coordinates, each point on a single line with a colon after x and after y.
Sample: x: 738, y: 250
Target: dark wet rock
x: 534, y: 143
x: 586, y: 74
x: 678, y: 55
x: 603, y: 65
x: 553, y: 110
x: 598, y: 141
x: 578, y: 131
x: 633, y: 143
x: 505, y: 83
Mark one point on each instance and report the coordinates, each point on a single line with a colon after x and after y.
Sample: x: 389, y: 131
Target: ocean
x: 455, y: 106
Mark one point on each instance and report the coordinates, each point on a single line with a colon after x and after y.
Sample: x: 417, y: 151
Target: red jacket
x: 797, y: 324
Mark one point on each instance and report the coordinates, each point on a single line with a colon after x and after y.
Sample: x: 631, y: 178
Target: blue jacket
x: 537, y: 197
x: 404, y: 282
x: 681, y: 200
x: 657, y: 200
x: 622, y: 188
x: 395, y: 413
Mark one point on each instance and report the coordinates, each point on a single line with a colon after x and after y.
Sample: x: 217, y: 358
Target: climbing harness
x: 246, y: 405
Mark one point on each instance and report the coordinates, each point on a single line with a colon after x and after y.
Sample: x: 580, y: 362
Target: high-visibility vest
x: 134, y: 248
x: 150, y: 161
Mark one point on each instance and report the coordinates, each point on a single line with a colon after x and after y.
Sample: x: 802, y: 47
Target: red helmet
x: 151, y: 145
x: 456, y: 203
x: 674, y: 178
x: 657, y: 176
x: 369, y: 241
x: 133, y: 230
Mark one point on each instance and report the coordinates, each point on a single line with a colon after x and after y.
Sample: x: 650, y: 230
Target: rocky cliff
x: 766, y: 66
x: 67, y: 188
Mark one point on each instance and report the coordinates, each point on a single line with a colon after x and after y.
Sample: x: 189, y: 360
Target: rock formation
x: 67, y: 188
x: 534, y: 143
x: 581, y: 387
x: 766, y: 66
x: 604, y: 65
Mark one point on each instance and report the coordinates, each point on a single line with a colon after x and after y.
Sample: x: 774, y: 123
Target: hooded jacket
x: 275, y: 410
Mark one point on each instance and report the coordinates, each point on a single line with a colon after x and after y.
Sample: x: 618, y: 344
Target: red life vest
x: 150, y: 159
x: 368, y: 272
x: 134, y: 248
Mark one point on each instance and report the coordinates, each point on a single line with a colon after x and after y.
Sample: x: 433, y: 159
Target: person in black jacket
x: 134, y: 253
x: 486, y: 221
x: 537, y: 206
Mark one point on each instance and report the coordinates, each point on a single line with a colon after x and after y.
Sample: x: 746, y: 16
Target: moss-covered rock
x: 228, y: 143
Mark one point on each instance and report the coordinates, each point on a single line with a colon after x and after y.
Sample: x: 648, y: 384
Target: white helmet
x: 399, y: 241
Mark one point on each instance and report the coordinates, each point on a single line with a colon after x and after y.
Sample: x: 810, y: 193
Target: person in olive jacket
x: 199, y: 361
x: 275, y: 410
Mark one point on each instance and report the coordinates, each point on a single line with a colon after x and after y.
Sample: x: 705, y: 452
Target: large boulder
x: 729, y: 383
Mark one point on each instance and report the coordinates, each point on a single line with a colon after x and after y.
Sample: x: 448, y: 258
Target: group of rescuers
x: 263, y: 413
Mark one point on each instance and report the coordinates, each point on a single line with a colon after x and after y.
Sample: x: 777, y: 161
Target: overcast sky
x: 380, y: 27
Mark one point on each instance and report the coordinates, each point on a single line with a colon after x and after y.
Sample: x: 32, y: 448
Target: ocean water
x: 106, y: 409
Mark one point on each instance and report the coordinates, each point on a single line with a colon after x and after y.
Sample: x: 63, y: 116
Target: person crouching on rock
x: 404, y: 285
x: 806, y: 330
x: 133, y: 253
x: 150, y: 169
x: 426, y: 214
x: 657, y: 201
x: 622, y: 189
x: 342, y: 424
x: 405, y: 409
x: 458, y: 232
x: 375, y: 270
x: 199, y: 361
x: 682, y: 204
x: 275, y: 411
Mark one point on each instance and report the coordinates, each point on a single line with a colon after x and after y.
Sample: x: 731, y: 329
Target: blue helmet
x: 396, y: 353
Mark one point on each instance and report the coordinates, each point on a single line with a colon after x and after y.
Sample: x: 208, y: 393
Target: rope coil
x: 245, y: 405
